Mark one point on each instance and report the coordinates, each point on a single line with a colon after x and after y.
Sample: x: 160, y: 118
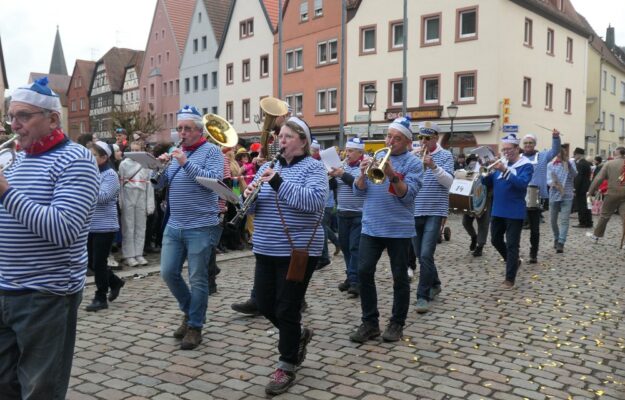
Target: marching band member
x: 137, y: 202
x: 104, y: 226
x: 478, y: 240
x: 193, y: 228
x: 614, y: 172
x: 287, y: 217
x: 431, y: 208
x: 509, y: 184
x: 539, y: 160
x: 349, y: 212
x: 560, y: 174
x: 47, y: 198
x: 387, y: 223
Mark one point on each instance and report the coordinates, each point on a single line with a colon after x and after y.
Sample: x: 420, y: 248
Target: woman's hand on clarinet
x: 267, y: 175
x: 249, y: 189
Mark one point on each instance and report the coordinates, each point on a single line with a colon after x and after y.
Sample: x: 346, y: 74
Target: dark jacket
x: 582, y: 180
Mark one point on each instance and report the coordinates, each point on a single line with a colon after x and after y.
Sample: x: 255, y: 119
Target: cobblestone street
x: 559, y: 334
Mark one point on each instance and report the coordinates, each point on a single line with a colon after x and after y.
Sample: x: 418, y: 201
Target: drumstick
x: 544, y: 127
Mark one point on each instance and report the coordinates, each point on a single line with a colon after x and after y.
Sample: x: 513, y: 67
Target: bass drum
x: 467, y: 193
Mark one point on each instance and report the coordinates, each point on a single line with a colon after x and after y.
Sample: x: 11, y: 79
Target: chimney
x: 609, y: 37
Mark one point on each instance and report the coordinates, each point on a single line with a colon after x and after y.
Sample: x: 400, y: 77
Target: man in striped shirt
x: 387, y: 223
x: 47, y: 198
x: 431, y: 207
x: 193, y: 228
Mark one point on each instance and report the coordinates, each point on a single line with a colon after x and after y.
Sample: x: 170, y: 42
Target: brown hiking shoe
x: 192, y: 339
x: 182, y: 329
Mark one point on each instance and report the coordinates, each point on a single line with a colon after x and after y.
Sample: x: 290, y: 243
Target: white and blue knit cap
x: 315, y: 145
x: 39, y: 95
x: 511, y: 139
x: 104, y: 146
x: 402, y: 124
x: 355, y: 143
x: 188, y: 113
x: 429, y: 129
x: 304, y: 128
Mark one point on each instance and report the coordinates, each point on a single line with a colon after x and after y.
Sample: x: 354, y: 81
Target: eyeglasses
x: 185, y: 128
x: 423, y: 137
x: 23, y: 117
x: 508, y: 149
x: 530, y: 143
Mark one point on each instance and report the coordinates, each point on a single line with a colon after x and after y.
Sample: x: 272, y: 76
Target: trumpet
x: 157, y: 177
x: 7, y: 154
x: 487, y: 170
x: 375, y: 170
x: 249, y: 200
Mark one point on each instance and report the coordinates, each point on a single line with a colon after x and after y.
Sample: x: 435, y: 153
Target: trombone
x: 7, y: 153
x: 375, y: 170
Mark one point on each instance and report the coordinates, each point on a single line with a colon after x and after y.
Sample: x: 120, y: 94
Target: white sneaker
x: 592, y: 237
x: 141, y: 260
x: 410, y: 274
x: 131, y: 262
x: 111, y: 262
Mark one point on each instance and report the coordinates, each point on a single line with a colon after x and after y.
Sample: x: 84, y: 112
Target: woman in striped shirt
x: 104, y: 225
x: 288, y: 211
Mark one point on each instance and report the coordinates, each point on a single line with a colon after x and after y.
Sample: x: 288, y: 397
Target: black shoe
x: 323, y: 264
x: 343, y: 286
x: 191, y: 339
x: 581, y: 226
x: 90, y: 272
x: 364, y: 332
x: 354, y: 290
x: 393, y: 332
x: 560, y: 248
x: 115, y: 290
x: 533, y: 260
x: 473, y: 243
x: 304, y: 306
x: 304, y: 339
x: 555, y: 244
x: 212, y: 286
x: 97, y: 305
x: 478, y: 251
x: 248, y: 307
x: 280, y: 382
x: 440, y: 239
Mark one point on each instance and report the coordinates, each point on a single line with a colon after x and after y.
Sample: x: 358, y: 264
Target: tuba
x: 272, y: 109
x: 375, y: 170
x: 7, y: 153
x: 220, y: 131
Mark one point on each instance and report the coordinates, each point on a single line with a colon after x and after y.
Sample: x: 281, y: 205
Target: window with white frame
x: 527, y: 91
x: 322, y: 101
x: 432, y: 30
x: 299, y: 104
x: 397, y: 35
x: 245, y: 107
x: 612, y: 84
x: 622, y: 130
x: 204, y: 81
x: 82, y: 103
x: 332, y: 99
x: 430, y: 87
x: 367, y: 40
x: 214, y: 79
x: 299, y: 59
x: 567, y: 101
x: 303, y: 11
x: 527, y: 32
x: 327, y: 52
x: 195, y: 45
x: 229, y: 111
x: 550, y: 39
x: 622, y: 91
x: 264, y: 66
x: 611, y: 122
x: 229, y: 74
x: 322, y: 53
x: 318, y: 8
x: 604, y: 79
x: 549, y: 96
x: 569, y: 49
x: 195, y: 83
x: 467, y: 23
x: 204, y: 42
x: 363, y: 87
x: 294, y: 59
x: 466, y: 87
x: 187, y: 85
x: 561, y: 5
x: 245, y: 70
x: 397, y: 93
x: 333, y: 50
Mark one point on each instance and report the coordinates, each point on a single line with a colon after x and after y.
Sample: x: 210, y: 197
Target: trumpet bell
x: 375, y: 171
x: 220, y: 131
x: 273, y: 107
x: 7, y: 157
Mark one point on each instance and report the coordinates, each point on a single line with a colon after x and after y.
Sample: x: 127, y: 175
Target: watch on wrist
x: 394, y: 179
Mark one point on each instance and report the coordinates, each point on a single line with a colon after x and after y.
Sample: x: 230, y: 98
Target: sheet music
x: 217, y: 186
x: 330, y: 158
x: 146, y: 159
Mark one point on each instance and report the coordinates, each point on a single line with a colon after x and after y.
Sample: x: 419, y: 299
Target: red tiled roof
x: 86, y: 69
x: 271, y: 6
x: 218, y: 14
x: 115, y: 60
x: 179, y: 14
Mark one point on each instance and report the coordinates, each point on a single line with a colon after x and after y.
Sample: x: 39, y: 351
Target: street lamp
x: 598, y: 125
x: 452, y: 111
x: 370, y: 93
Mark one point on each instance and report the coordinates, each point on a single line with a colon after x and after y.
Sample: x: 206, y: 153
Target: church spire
x: 57, y: 66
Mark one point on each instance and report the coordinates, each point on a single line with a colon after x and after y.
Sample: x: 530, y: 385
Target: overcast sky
x: 89, y: 28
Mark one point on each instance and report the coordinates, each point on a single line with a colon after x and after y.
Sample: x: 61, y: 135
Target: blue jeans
x: 195, y: 245
x: 371, y: 249
x: 508, y: 249
x: 37, y: 335
x: 428, y: 231
x: 560, y: 214
x: 349, y: 236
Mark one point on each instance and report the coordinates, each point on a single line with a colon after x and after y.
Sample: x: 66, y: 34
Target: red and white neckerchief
x: 46, y: 143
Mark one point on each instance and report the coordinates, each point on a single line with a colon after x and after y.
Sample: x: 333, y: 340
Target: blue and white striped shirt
x: 347, y: 200
x: 564, y: 177
x: 105, y: 215
x: 540, y: 161
x: 191, y: 205
x: 45, y: 218
x: 433, y: 198
x: 302, y: 197
x: 386, y: 215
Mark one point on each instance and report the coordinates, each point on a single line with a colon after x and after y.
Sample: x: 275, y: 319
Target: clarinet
x: 157, y: 177
x: 249, y: 200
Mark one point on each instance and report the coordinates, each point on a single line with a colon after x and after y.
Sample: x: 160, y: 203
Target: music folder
x: 217, y: 186
x: 146, y: 159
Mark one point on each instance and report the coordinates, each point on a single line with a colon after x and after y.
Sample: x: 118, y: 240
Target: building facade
x: 4, y: 82
x: 245, y: 70
x: 131, y: 93
x: 159, y: 80
x: 199, y: 69
x: 78, y: 98
x: 530, y: 70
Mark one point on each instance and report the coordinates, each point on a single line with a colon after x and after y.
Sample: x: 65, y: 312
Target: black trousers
x: 583, y: 213
x: 533, y: 217
x: 98, y: 249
